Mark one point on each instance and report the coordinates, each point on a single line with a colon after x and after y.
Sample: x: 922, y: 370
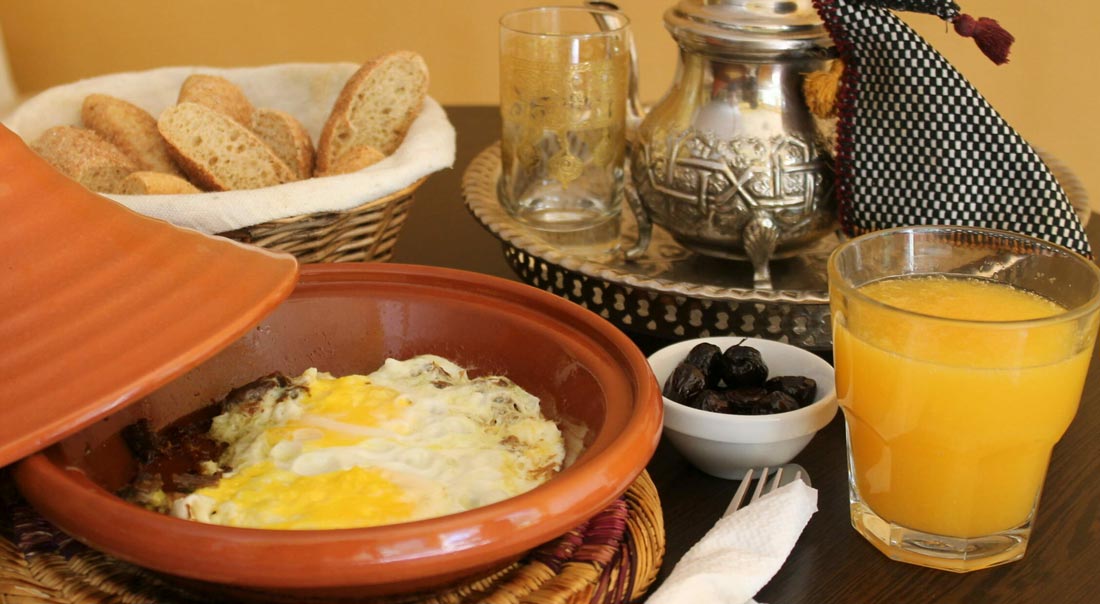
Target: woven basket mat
x: 612, y: 558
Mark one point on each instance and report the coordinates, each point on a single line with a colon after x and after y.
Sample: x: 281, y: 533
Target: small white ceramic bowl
x: 726, y: 445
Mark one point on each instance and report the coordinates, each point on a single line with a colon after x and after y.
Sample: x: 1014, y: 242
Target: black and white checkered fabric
x: 917, y: 143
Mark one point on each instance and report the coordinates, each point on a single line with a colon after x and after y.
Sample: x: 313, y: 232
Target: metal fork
x: 762, y: 486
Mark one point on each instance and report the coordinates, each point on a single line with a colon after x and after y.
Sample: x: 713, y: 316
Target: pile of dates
x: 735, y: 381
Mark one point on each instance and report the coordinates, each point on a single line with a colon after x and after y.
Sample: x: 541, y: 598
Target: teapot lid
x: 747, y: 27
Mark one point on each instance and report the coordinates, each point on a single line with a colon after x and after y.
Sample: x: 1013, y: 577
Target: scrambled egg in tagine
x: 415, y: 439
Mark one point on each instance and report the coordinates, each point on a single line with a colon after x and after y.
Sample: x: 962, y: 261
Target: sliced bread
x: 156, y: 183
x: 375, y: 107
x: 287, y: 137
x: 353, y: 160
x: 130, y: 128
x: 84, y: 156
x: 218, y: 94
x: 216, y: 152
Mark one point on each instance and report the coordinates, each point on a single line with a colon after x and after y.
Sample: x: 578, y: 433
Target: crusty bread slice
x: 287, y: 137
x: 354, y: 159
x: 156, y: 183
x: 84, y: 156
x: 130, y: 128
x: 218, y: 94
x: 216, y: 152
x: 375, y: 107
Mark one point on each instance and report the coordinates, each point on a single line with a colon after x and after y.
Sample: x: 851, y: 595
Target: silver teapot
x: 730, y: 162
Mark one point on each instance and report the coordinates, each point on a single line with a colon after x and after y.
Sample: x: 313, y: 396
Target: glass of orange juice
x: 960, y: 358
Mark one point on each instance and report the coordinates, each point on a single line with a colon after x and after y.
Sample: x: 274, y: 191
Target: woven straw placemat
x: 611, y: 559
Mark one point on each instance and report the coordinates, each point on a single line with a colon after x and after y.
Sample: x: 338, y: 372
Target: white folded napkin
x: 742, y: 552
x: 305, y: 90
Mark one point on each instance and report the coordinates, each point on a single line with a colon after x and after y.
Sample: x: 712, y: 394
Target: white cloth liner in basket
x: 305, y: 90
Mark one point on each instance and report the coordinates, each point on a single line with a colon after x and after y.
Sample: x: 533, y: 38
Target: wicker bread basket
x: 345, y: 218
x: 366, y: 233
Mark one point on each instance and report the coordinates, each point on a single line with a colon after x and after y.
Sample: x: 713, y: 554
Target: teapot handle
x: 634, y: 110
x: 634, y: 114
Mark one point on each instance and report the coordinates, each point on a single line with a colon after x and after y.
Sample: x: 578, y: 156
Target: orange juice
x: 951, y: 418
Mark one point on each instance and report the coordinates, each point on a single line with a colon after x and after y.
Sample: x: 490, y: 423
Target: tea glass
x: 563, y: 92
x: 952, y: 410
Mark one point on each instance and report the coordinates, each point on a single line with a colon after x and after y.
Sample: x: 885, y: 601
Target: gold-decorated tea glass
x: 563, y: 94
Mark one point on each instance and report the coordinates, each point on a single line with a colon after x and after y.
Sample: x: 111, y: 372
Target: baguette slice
x: 84, y: 156
x: 217, y: 153
x: 354, y: 159
x: 130, y: 128
x: 287, y: 137
x: 218, y: 94
x: 156, y: 183
x: 375, y: 107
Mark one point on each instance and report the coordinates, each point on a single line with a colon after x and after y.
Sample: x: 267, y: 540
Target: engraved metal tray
x: 671, y: 292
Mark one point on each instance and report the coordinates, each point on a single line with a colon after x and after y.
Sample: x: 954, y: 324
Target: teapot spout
x: 634, y: 110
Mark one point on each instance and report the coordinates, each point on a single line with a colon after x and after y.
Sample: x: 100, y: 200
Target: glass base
x: 580, y: 234
x: 955, y: 554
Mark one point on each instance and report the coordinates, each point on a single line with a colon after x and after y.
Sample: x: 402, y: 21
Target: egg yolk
x: 262, y: 495
x: 338, y: 410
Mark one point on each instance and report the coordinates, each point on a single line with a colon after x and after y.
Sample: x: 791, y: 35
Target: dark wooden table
x: 831, y: 562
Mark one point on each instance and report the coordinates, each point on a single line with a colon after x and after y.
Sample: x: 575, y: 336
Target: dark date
x: 743, y: 367
x: 735, y: 381
x: 711, y: 400
x: 686, y: 381
x: 801, y: 388
x: 707, y: 358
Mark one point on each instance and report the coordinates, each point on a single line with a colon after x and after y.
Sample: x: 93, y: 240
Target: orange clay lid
x: 100, y: 305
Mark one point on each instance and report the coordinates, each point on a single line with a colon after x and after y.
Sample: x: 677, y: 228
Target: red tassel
x: 990, y: 37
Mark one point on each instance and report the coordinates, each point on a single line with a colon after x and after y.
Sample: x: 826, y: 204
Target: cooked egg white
x: 415, y: 439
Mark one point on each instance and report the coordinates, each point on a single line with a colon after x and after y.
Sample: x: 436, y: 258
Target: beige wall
x: 1048, y: 91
